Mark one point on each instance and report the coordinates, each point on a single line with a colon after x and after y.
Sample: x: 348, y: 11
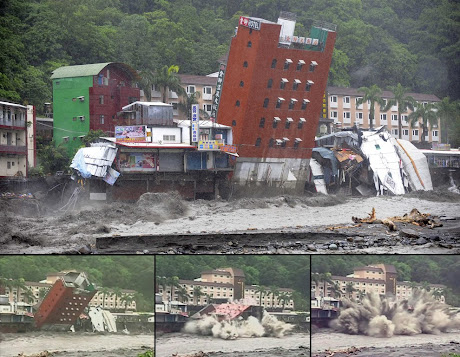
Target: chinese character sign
x: 195, y: 127
x: 248, y: 22
x: 220, y: 80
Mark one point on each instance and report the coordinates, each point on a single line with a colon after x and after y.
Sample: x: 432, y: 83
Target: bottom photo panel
x: 77, y: 306
x: 222, y: 305
x: 385, y: 305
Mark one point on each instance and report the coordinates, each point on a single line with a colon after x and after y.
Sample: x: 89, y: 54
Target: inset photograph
x: 218, y: 305
x: 76, y: 306
x: 381, y: 305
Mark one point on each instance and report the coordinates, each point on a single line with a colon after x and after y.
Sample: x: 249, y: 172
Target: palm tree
x: 127, y: 299
x: 275, y: 292
x: 427, y: 114
x: 19, y: 284
x: 413, y: 285
x: 284, y: 298
x: 173, y: 282
x: 208, y: 298
x: 447, y: 112
x: 326, y: 279
x: 117, y: 293
x: 162, y: 281
x: 42, y: 292
x: 185, y: 105
x: 182, y: 294
x: 425, y: 285
x: 373, y: 95
x: 146, y: 83
x: 262, y: 291
x: 197, y: 294
x: 166, y: 79
x: 335, y: 290
x: 403, y: 102
x: 349, y: 288
x: 28, y: 295
x: 105, y: 292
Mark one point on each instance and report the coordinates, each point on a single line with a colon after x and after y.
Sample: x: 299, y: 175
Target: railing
x: 12, y: 149
x: 15, y: 123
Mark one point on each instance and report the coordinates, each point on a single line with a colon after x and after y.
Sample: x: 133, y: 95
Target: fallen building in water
x: 368, y: 162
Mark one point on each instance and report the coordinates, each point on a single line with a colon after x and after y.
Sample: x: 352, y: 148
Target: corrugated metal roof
x: 93, y: 69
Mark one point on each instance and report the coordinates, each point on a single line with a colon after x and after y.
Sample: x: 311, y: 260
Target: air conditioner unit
x: 81, y: 117
x: 82, y: 98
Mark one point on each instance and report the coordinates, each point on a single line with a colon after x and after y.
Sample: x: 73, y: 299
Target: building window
x: 300, y: 64
x: 101, y: 99
x: 394, y: 117
x: 346, y: 100
x: 249, y: 44
x: 207, y: 108
x: 291, y: 104
x: 359, y: 116
x: 270, y: 83
x: 300, y: 124
x: 296, y: 144
x: 169, y: 137
x: 434, y: 134
x: 304, y: 104
x: 265, y: 103
x: 333, y: 99
x: 258, y: 141
x: 274, y: 63
x: 415, y: 132
x: 295, y: 85
x: 101, y: 119
x: 313, y: 65
x: 262, y: 123
x: 8, y: 165
x: 394, y: 132
x: 283, y: 83
x: 287, y: 63
x: 288, y: 123
x: 233, y: 122
x: 245, y: 64
x: 241, y: 84
x: 346, y: 117
x: 278, y: 103
x: 271, y: 143
x: 383, y: 117
x: 237, y: 104
x: 275, y: 122
x: 190, y: 89
x: 308, y: 85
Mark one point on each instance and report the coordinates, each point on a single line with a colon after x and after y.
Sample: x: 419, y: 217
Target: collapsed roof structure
x: 369, y: 162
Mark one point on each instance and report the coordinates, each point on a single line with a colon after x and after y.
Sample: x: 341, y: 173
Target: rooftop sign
x: 248, y: 22
x: 131, y: 134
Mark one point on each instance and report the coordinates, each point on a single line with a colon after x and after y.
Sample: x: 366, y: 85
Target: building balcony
x: 12, y: 149
x: 13, y: 123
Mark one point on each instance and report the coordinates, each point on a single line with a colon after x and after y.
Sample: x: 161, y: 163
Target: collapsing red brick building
x: 272, y: 97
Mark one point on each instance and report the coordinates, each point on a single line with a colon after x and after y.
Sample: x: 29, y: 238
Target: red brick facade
x: 248, y: 72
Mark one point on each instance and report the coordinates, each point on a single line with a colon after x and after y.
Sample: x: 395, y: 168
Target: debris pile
x: 368, y: 162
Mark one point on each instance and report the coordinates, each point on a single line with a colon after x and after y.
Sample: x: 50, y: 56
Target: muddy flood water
x: 75, y: 344
x: 296, y: 344
x: 395, y: 346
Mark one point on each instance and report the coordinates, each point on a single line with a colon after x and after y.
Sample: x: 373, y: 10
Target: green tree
x: 427, y: 114
x: 402, y: 101
x: 284, y: 298
x: 146, y: 83
x: 173, y: 282
x: 185, y: 105
x: 182, y: 294
x: 116, y: 291
x: 261, y: 291
x: 336, y: 291
x: 275, y: 292
x: 28, y: 295
x: 350, y: 289
x: 373, y: 95
x: 127, y: 299
x: 52, y: 158
x: 197, y: 294
x: 93, y: 136
x: 448, y: 112
x: 166, y: 79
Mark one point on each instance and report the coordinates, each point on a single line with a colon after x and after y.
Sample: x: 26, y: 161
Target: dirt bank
x: 159, y: 215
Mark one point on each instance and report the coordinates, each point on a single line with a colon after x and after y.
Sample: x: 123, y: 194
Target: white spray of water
x: 233, y: 329
x: 384, y: 317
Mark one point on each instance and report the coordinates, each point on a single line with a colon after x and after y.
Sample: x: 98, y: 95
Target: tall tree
x: 167, y: 79
x: 117, y: 293
x: 173, y: 283
x: 261, y: 291
x: 284, y: 298
x: 127, y: 299
x: 448, y: 113
x: 427, y: 114
x: 275, y: 292
x: 197, y: 294
x: 105, y: 292
x: 373, y: 95
x: 402, y: 101
x: 182, y: 294
x: 350, y: 289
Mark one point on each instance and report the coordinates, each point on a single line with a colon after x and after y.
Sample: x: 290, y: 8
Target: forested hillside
x: 383, y: 42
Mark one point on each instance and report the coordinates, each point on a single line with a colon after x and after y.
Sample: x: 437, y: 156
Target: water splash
x: 384, y: 316
x: 238, y: 328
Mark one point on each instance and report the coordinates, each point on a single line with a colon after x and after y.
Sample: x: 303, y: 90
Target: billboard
x: 131, y: 134
x: 137, y: 162
x: 216, y: 100
x: 195, y: 132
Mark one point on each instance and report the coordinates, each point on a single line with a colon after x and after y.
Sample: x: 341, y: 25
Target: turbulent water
x: 231, y: 330
x: 384, y: 317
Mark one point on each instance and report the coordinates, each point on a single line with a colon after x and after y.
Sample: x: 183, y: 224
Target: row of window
x: 280, y: 101
x: 284, y: 81
x: 287, y: 124
x: 278, y: 142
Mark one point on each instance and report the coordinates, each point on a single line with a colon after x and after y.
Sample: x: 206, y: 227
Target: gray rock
x: 410, y: 233
x: 333, y: 246
x: 359, y: 239
x: 421, y: 241
x: 311, y: 247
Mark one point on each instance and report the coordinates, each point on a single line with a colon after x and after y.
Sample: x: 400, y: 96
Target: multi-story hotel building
x: 224, y: 284
x: 38, y: 291
x: 13, y: 139
x: 376, y: 278
x: 342, y: 109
